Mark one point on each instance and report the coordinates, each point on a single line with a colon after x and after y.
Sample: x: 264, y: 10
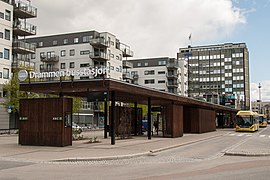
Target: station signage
x: 23, y: 74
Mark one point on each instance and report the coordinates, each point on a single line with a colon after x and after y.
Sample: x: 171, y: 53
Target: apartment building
x: 261, y: 107
x: 14, y: 49
x: 79, y: 51
x: 164, y: 74
x: 6, y: 17
x: 218, y: 70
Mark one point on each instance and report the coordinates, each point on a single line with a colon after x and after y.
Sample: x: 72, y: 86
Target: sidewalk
x: 83, y: 151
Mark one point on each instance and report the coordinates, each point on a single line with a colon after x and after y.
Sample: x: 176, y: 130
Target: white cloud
x: 265, y: 91
x: 151, y: 27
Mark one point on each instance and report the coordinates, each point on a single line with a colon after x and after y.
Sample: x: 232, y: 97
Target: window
x: 160, y: 63
x: 71, y: 65
x: 161, y: 81
x: 86, y: 38
x: 149, y: 81
x: 54, y: 42
x: 33, y: 56
x: 84, y: 65
x: 76, y: 40
x: 112, y: 55
x: 1, y: 35
x: 63, y: 65
x: 8, y: 15
x: 146, y: 64
x: 7, y: 34
x: 6, y: 53
x: 161, y: 72
x: 2, y: 15
x: 65, y: 41
x: 40, y: 44
x: 0, y: 74
x: 42, y: 54
x: 1, y: 55
x: 151, y: 72
x: 63, y: 53
x: 6, y: 73
x: 139, y: 64
x: 84, y: 52
x: 72, y: 52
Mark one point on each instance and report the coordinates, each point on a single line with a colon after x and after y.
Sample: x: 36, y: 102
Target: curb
x: 245, y: 154
x: 129, y: 156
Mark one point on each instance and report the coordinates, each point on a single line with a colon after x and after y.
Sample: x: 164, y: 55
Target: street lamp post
x: 260, y: 98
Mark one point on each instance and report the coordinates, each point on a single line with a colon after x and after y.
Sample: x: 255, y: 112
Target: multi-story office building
x: 164, y: 74
x: 14, y: 49
x: 218, y: 70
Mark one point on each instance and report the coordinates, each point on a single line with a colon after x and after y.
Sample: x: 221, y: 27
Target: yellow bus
x: 247, y: 121
x: 262, y: 120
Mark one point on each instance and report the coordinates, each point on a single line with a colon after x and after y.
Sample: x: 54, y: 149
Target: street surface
x: 200, y: 160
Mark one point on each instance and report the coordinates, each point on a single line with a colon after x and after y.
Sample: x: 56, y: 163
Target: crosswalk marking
x: 248, y: 135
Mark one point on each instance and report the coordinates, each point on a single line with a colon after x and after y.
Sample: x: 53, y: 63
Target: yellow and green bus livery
x: 247, y: 121
x: 262, y: 120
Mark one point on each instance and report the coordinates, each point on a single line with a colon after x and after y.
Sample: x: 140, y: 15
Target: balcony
x: 127, y: 64
x: 99, y: 56
x: 21, y: 28
x: 24, y: 10
x: 127, y: 75
x: 135, y: 76
x: 51, y: 69
x: 172, y: 75
x: 99, y: 42
x: 49, y: 59
x: 19, y: 63
x: 127, y: 53
x: 172, y: 84
x: 21, y: 47
x: 172, y: 64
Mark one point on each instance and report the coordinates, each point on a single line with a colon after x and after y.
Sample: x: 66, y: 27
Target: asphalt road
x: 201, y: 160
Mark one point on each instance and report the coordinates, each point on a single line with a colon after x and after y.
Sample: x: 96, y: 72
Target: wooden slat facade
x: 42, y: 122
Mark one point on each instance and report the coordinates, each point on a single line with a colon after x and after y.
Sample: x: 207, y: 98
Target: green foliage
x: 14, y: 94
x: 77, y: 104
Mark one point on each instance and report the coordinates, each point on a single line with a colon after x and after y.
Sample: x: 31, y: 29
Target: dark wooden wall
x: 174, y: 118
x: 42, y: 122
x: 198, y: 120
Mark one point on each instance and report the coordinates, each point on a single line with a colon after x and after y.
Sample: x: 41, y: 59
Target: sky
x: 158, y: 28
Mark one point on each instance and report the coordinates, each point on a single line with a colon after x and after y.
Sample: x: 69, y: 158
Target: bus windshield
x: 244, y: 121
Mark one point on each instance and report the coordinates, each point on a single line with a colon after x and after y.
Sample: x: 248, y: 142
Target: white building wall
x: 5, y: 64
x: 114, y: 63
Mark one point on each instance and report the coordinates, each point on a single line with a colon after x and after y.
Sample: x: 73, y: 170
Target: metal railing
x: 26, y: 9
x: 24, y: 26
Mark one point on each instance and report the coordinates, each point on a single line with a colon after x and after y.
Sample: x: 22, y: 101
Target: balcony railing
x: 136, y: 76
x: 19, y: 63
x: 23, y: 47
x: 21, y: 28
x: 172, y: 75
x: 172, y: 84
x: 99, y: 56
x: 127, y: 53
x: 49, y: 59
x: 127, y: 64
x: 127, y: 75
x: 99, y: 42
x: 23, y: 10
x: 51, y: 69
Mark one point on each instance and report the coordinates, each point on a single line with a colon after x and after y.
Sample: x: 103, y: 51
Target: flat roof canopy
x: 124, y: 92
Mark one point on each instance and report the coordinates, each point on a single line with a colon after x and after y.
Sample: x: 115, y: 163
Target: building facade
x: 79, y: 51
x: 14, y: 49
x: 219, y: 71
x: 261, y: 107
x: 165, y: 74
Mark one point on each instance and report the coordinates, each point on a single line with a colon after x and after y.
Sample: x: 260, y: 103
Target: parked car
x: 76, y: 127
